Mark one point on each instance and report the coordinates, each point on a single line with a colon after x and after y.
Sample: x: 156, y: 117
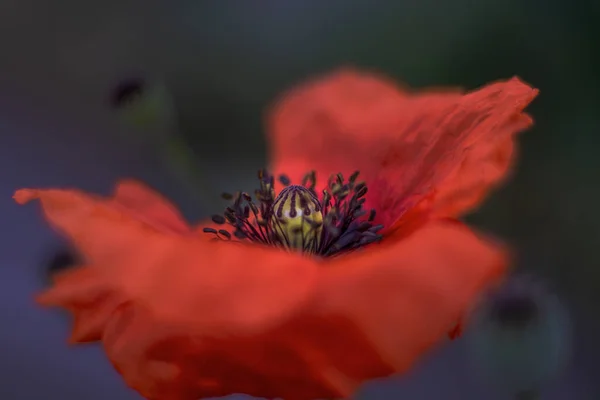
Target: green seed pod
x: 520, y: 338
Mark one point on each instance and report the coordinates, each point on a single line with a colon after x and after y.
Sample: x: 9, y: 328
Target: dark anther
x: 218, y: 219
x: 360, y: 213
x: 284, y: 180
x: 227, y: 196
x: 298, y: 219
x: 239, y: 234
x: 223, y: 232
x: 361, y: 192
x: 376, y: 228
x: 310, y: 180
x: 372, y: 215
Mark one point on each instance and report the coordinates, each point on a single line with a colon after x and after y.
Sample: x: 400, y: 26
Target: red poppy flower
x: 309, y: 293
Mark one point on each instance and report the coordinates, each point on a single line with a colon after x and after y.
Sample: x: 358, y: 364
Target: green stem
x: 181, y: 160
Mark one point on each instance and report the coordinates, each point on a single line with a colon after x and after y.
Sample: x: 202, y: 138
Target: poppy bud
x: 520, y: 337
x: 60, y: 260
x: 143, y: 105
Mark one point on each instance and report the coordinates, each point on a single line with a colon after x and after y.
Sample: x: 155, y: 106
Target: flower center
x: 298, y: 219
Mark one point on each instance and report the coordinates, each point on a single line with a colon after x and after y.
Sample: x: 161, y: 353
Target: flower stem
x: 181, y: 160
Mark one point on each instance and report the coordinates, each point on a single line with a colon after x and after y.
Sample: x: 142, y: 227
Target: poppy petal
x: 195, y: 273
x: 405, y: 144
x: 484, y: 167
x: 81, y: 291
x: 403, y: 297
x: 456, y: 332
x: 192, y: 287
x: 184, y: 317
x: 90, y: 301
x: 371, y: 315
x: 163, y: 361
x: 141, y: 200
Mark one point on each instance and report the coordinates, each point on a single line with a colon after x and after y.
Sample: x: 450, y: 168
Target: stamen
x: 297, y: 219
x: 285, y: 181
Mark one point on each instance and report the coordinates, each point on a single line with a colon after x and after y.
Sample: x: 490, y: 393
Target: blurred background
x: 221, y: 63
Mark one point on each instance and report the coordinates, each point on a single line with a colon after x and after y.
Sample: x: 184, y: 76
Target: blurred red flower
x: 183, y: 316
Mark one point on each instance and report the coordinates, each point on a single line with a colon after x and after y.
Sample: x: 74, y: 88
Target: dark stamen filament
x: 297, y: 219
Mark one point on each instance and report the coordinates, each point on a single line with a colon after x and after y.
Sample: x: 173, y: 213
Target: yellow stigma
x: 297, y: 219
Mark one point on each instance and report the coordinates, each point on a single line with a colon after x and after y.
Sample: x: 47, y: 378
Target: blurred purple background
x: 224, y: 62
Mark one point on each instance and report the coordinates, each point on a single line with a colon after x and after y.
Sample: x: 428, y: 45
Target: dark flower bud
x: 143, y: 105
x: 60, y: 260
x: 520, y: 337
